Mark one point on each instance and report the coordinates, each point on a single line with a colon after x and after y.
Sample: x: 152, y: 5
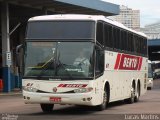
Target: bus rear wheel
x: 137, y: 94
x: 104, y: 103
x: 132, y: 98
x: 47, y: 107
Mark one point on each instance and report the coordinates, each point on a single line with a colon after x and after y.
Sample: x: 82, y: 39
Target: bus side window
x: 99, y: 62
x: 100, y: 33
x: 108, y: 36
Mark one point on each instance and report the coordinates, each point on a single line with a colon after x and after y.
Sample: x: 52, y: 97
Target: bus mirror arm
x: 100, y: 47
x: 18, y: 48
x: 17, y: 54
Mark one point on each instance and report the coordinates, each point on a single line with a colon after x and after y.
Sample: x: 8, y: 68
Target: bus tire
x: 105, y: 101
x: 137, y: 93
x: 132, y: 98
x: 46, y: 108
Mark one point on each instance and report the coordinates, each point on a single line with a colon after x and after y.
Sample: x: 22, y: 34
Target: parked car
x: 149, y: 83
x: 156, y: 74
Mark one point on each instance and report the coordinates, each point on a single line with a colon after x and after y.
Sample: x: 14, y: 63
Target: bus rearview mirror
x: 18, y: 48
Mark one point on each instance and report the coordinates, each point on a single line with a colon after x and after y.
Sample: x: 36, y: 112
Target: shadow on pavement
x: 78, y: 110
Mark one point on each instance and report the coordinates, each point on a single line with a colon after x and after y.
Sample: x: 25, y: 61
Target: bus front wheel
x: 105, y: 101
x: 47, y: 107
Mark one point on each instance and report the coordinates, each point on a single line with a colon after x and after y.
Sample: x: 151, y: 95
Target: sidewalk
x: 14, y: 92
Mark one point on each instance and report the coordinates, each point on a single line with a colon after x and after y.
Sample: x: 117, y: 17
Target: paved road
x: 149, y: 105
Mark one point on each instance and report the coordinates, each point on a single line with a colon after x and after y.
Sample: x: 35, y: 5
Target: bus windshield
x: 63, y: 60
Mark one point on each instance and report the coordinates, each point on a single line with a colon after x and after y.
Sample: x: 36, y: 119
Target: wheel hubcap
x: 132, y: 94
x: 104, y: 98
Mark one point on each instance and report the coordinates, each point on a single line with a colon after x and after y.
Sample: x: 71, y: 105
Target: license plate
x: 55, y: 99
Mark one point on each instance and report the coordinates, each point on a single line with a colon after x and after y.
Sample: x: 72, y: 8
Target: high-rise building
x: 130, y: 18
x: 152, y: 30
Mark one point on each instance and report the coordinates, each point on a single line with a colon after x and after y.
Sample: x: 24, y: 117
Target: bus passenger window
x: 108, y: 36
x: 100, y: 33
x: 99, y: 62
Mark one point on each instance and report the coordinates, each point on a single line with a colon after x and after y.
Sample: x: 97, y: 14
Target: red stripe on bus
x: 140, y: 63
x: 60, y: 85
x: 72, y: 85
x: 117, y: 61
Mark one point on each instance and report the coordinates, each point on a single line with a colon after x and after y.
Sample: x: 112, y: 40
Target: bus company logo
x: 128, y: 62
x: 29, y: 84
x: 73, y: 85
x: 54, y: 89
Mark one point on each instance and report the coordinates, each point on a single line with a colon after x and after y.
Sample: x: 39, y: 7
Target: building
x: 153, y: 33
x: 130, y: 18
x: 152, y: 30
x: 154, y: 49
x: 14, y: 15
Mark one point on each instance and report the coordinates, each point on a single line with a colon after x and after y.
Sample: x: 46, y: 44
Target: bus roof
x: 83, y: 17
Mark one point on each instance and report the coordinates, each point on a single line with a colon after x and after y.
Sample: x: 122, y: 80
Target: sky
x: 149, y: 9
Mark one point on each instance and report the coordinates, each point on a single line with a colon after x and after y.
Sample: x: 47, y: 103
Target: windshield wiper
x: 46, y: 66
x: 64, y: 67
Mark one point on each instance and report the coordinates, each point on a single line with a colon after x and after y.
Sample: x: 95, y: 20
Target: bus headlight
x: 29, y: 89
x: 83, y: 90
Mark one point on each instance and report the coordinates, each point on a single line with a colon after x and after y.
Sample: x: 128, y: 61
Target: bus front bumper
x: 49, y: 98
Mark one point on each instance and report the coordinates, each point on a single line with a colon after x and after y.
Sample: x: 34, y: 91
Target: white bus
x: 82, y: 60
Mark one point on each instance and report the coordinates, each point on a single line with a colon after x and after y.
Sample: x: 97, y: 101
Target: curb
x: 11, y: 94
